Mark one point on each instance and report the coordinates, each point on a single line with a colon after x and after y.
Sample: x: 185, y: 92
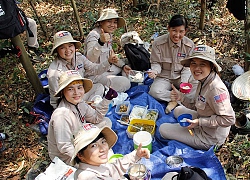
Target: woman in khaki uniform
x: 212, y: 114
x: 92, y: 145
x: 73, y: 113
x: 68, y: 59
x: 98, y: 48
x: 167, y: 52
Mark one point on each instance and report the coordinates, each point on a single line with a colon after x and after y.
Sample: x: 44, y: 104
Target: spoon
x: 140, y: 128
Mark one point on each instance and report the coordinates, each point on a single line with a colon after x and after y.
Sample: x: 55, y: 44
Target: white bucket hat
x: 69, y: 76
x: 88, y: 134
x: 63, y: 37
x: 241, y: 86
x: 111, y: 14
x: 202, y: 52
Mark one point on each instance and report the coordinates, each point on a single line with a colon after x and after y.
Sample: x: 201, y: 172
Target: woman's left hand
x: 112, y: 57
x: 126, y: 69
x: 142, y: 152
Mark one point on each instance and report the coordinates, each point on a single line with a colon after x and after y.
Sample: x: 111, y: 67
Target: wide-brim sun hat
x: 241, y: 86
x: 202, y: 52
x: 111, y: 14
x: 68, y: 77
x: 89, y: 133
x: 63, y: 37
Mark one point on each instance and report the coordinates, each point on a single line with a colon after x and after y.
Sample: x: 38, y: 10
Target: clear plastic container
x: 138, y: 112
x: 123, y: 108
x: 152, y: 114
x: 136, y: 76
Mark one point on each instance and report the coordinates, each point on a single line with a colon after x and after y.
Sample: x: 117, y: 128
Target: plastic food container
x: 136, y: 76
x: 138, y: 112
x: 185, y: 88
x: 123, y: 108
x: 152, y: 114
x: 144, y: 138
x: 182, y: 119
x: 96, y: 100
x: 125, y: 118
x: 148, y: 125
x: 174, y: 161
x: 114, y: 157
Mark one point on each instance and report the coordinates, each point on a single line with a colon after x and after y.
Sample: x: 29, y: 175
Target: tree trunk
x: 77, y: 19
x: 202, y: 14
x: 247, y: 32
x: 135, y: 3
x: 27, y: 65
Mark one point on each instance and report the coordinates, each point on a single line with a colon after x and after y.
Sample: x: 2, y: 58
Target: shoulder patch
x: 221, y: 97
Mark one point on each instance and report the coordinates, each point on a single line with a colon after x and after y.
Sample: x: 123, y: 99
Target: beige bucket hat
x: 69, y: 76
x: 241, y: 86
x: 63, y: 37
x: 88, y: 134
x: 111, y: 14
x: 202, y: 52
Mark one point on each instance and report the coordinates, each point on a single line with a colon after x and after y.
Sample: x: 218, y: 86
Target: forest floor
x: 25, y: 147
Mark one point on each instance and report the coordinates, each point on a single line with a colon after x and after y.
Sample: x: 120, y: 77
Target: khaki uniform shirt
x: 108, y: 171
x: 97, y: 53
x: 166, y: 56
x: 85, y: 67
x: 67, y: 120
x: 214, y: 109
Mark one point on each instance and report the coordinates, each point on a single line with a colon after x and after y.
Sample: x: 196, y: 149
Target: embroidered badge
x: 201, y: 98
x: 221, y: 97
x: 181, y: 55
x: 62, y: 34
x: 87, y: 126
x: 79, y: 66
x: 200, y: 49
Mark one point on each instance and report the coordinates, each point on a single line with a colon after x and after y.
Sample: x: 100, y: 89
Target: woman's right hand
x: 104, y: 37
x: 175, y: 94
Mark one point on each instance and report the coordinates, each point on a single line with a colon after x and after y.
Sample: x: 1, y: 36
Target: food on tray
x: 145, y: 127
x: 123, y: 108
x: 151, y: 114
x: 125, y: 118
x: 137, y: 112
x: 186, y: 87
x: 138, y: 77
x: 183, y: 120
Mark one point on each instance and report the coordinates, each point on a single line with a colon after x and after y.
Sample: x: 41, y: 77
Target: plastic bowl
x: 114, y: 157
x: 182, y: 119
x: 136, y: 76
x: 185, y: 88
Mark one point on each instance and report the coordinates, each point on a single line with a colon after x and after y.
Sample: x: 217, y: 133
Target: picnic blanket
x: 206, y: 160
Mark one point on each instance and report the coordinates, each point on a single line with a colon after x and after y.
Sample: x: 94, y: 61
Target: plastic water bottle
x: 155, y: 35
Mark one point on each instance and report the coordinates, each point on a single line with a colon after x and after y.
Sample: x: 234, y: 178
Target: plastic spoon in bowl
x: 140, y: 128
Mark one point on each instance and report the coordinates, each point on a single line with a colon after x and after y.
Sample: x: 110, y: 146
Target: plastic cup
x: 182, y: 119
x: 185, y: 88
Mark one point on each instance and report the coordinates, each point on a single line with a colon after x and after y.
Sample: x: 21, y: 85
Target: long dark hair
x: 178, y: 20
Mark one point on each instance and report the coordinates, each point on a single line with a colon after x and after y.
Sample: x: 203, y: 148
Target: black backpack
x: 138, y: 56
x: 191, y: 173
x: 13, y: 20
x: 237, y: 8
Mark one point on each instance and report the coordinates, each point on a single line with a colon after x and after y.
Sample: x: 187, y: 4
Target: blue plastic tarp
x: 162, y: 148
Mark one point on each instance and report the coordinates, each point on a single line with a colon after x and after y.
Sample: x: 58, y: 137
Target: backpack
x: 138, y: 56
x: 237, y: 8
x: 191, y: 173
x: 13, y: 20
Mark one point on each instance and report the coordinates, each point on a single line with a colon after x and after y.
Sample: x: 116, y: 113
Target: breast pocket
x: 166, y: 63
x: 200, y: 105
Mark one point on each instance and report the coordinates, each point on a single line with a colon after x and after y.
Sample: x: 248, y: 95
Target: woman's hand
x: 175, y: 94
x: 142, y: 152
x: 112, y: 57
x: 193, y: 123
x: 151, y: 74
x: 104, y: 37
x: 126, y: 69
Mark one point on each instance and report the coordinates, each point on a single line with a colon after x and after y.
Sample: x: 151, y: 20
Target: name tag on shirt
x: 79, y: 66
x: 202, y: 99
x: 181, y: 55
